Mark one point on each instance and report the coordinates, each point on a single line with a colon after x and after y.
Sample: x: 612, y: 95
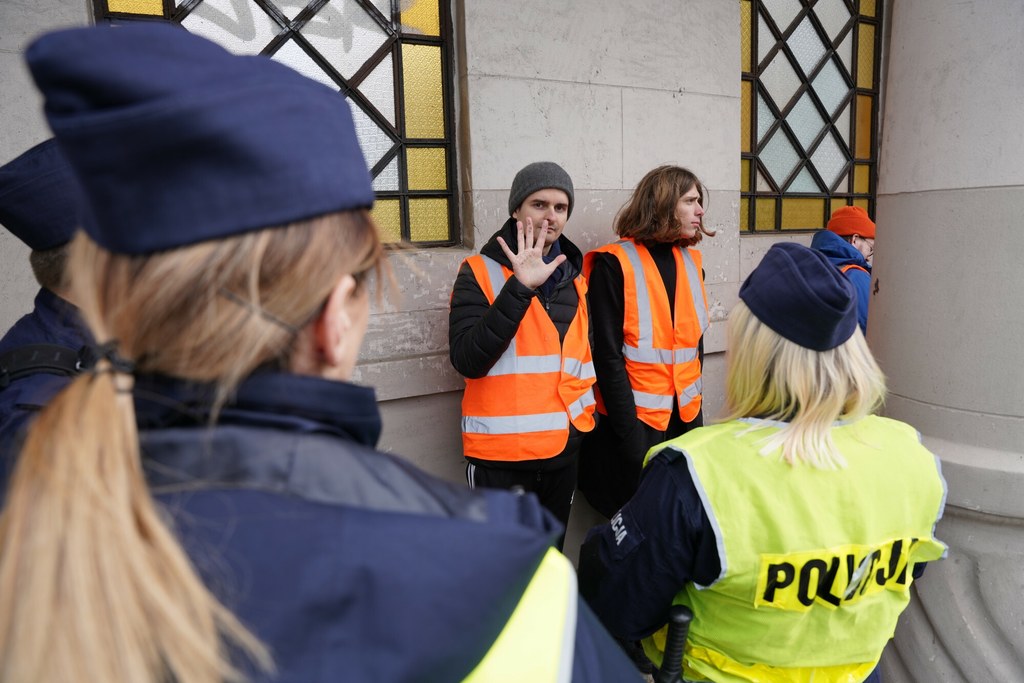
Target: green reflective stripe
x: 642, y: 399
x: 538, y: 641
x: 578, y: 368
x: 567, y: 646
x: 514, y: 424
x: 695, y: 291
x: 577, y: 407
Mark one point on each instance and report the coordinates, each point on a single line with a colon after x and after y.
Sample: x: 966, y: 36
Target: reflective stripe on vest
x: 550, y: 389
x: 659, y: 373
x: 515, y: 424
x: 813, y: 591
x: 538, y: 641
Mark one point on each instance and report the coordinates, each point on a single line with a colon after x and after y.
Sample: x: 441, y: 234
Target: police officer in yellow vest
x: 794, y: 528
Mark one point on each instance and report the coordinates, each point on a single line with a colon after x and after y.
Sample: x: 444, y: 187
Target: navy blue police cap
x: 800, y: 295
x: 177, y: 141
x: 39, y: 198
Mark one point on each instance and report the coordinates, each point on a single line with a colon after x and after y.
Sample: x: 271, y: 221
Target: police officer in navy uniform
x: 793, y: 529
x: 39, y: 204
x: 208, y: 499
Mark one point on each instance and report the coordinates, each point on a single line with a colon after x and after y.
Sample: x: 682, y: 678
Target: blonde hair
x: 93, y: 583
x: 772, y: 378
x: 649, y: 215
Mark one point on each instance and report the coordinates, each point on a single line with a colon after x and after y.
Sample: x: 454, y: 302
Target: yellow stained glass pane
x: 428, y: 220
x: 803, y: 213
x: 866, y: 56
x: 867, y: 7
x: 745, y: 116
x: 745, y: 175
x: 745, y: 33
x: 152, y: 8
x: 424, y: 103
x: 422, y: 17
x: 862, y: 203
x: 861, y: 178
x: 388, y: 217
x: 765, y: 214
x: 744, y: 214
x: 427, y: 168
x: 864, y: 126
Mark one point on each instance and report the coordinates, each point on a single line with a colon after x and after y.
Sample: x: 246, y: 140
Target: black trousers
x: 610, y: 469
x: 554, y: 488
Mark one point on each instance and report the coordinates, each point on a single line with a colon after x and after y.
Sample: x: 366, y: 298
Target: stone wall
x: 946, y: 321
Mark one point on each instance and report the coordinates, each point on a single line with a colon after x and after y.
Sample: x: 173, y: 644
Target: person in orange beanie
x: 849, y: 243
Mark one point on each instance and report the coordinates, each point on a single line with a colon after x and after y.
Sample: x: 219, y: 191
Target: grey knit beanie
x: 539, y: 175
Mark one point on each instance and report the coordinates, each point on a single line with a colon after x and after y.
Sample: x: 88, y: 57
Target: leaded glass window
x: 809, y: 110
x: 390, y: 59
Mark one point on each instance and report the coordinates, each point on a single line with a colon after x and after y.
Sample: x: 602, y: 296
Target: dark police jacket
x: 53, y: 321
x: 350, y: 564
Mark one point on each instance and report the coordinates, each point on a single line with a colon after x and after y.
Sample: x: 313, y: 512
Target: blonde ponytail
x: 93, y: 585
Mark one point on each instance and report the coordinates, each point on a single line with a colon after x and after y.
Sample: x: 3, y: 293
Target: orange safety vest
x: 521, y: 409
x: 662, y: 359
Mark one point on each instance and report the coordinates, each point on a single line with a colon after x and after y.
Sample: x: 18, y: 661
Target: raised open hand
x: 528, y: 260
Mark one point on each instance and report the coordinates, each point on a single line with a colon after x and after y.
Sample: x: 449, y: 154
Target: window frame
x: 836, y: 195
x: 396, y: 37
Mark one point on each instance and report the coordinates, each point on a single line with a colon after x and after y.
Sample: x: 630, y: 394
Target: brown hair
x: 93, y: 583
x: 648, y: 216
x: 50, y: 267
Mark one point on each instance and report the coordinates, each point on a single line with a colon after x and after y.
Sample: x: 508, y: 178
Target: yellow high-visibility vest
x: 816, y: 564
x: 538, y: 641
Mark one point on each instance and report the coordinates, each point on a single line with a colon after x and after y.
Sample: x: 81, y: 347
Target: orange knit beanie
x: 851, y: 220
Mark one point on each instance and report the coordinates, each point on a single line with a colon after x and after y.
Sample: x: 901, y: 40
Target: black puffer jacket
x: 478, y: 332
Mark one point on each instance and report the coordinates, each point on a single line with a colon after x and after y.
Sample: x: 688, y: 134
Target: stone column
x: 947, y: 320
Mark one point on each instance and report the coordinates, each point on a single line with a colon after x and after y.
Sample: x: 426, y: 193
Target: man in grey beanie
x: 518, y: 331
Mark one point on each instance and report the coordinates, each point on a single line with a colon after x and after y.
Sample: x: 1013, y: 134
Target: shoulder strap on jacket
x: 32, y: 359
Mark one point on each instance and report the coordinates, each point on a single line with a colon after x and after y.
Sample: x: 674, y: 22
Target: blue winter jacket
x: 841, y: 253
x: 52, y: 321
